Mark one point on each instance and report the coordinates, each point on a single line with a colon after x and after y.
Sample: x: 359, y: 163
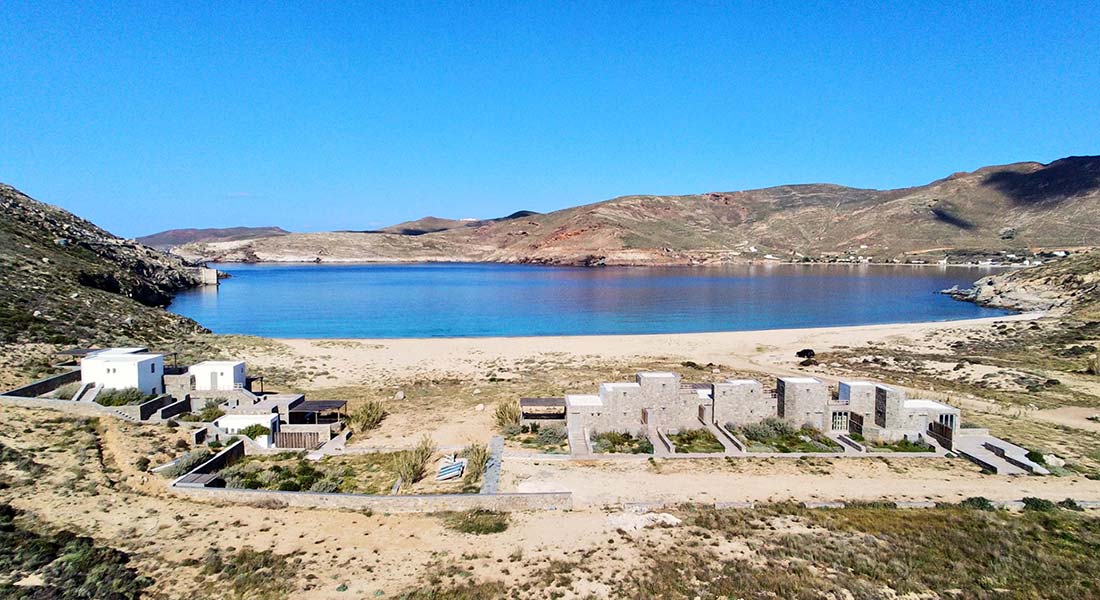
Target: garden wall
x: 45, y: 385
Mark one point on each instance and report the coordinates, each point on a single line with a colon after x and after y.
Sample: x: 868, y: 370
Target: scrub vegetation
x: 776, y: 435
x: 695, y: 440
x: 614, y: 442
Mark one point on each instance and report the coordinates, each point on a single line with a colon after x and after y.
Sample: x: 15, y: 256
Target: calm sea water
x: 431, y: 300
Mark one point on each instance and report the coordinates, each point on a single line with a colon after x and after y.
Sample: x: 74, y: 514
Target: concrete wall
x: 888, y: 407
x: 802, y: 401
x: 175, y: 409
x: 142, y: 371
x: 45, y: 385
x: 385, y: 504
x: 742, y: 402
x: 860, y: 398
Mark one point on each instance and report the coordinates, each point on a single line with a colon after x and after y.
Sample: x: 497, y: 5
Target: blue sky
x: 315, y: 116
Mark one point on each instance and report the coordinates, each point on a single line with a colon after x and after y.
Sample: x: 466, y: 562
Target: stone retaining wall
x: 384, y: 504
x: 87, y: 409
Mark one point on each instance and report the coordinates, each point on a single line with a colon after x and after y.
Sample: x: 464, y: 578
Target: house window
x: 153, y: 368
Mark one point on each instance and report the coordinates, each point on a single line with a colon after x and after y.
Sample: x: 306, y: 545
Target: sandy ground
x: 365, y: 361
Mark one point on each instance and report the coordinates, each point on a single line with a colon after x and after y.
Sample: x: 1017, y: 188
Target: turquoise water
x: 432, y: 300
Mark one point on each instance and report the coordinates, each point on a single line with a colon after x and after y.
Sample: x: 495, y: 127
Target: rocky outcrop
x: 1070, y: 286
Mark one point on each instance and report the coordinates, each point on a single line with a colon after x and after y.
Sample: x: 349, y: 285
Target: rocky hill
x: 64, y: 280
x: 166, y: 240
x: 1013, y: 208
x: 1069, y: 287
x: 437, y: 224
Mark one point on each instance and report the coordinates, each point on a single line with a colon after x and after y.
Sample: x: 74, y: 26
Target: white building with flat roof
x: 123, y: 370
x: 235, y: 424
x: 214, y: 375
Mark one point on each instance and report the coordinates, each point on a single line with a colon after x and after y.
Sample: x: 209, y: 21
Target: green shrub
x: 977, y: 503
x: 696, y: 440
x: 766, y: 430
x: 477, y: 522
x: 614, y: 442
x: 507, y: 414
x: 1038, y: 504
x: 255, y: 430
x: 187, y: 462
x: 123, y: 397
x: 67, y: 391
x: 142, y: 463
x: 1036, y: 457
x: 251, y: 573
x: 368, y: 416
x: 1070, y: 504
x: 552, y: 435
x: 477, y: 457
x: 409, y: 465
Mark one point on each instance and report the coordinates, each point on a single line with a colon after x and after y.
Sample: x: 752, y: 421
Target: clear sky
x: 315, y: 116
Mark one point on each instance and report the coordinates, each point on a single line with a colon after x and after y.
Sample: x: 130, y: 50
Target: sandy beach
x: 360, y: 361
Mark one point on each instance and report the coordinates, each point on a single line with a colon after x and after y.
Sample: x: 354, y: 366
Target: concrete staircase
x: 729, y: 446
x: 977, y: 450
x: 81, y: 391
x: 578, y: 442
x: 91, y: 394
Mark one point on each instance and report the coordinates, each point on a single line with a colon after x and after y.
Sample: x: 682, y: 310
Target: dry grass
x: 409, y: 465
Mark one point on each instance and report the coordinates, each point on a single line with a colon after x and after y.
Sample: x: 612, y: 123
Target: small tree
x: 255, y: 430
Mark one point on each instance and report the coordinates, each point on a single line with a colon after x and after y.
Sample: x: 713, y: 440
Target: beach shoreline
x: 356, y: 360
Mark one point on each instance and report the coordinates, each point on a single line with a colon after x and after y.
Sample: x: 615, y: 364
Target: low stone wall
x: 45, y: 385
x: 858, y: 447
x: 221, y: 460
x: 385, y: 504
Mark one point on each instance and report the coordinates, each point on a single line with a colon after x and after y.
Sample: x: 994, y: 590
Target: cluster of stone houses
x: 291, y: 420
x: 662, y: 402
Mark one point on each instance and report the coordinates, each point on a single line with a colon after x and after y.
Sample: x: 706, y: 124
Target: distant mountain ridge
x: 998, y: 209
x: 171, y: 238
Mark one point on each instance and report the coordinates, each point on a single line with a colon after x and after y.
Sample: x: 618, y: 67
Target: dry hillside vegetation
x: 1009, y: 208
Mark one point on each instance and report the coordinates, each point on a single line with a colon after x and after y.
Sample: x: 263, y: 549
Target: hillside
x: 64, y: 280
x: 1009, y: 208
x: 171, y: 238
x: 436, y: 224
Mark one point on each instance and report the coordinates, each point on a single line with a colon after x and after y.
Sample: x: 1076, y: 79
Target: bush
x: 142, y: 463
x: 1038, y: 504
x: 368, y: 416
x: 508, y: 414
x: 67, y: 391
x: 1036, y: 457
x: 123, y: 397
x: 477, y: 457
x: 255, y: 430
x: 1070, y: 504
x: 409, y: 465
x: 552, y: 435
x: 187, y: 462
x: 766, y: 430
x: 477, y: 522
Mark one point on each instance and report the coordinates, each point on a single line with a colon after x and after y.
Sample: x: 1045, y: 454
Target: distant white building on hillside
x: 218, y: 375
x: 123, y: 368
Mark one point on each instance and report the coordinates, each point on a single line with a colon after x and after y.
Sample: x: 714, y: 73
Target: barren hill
x: 1009, y: 208
x: 64, y: 280
x: 171, y: 238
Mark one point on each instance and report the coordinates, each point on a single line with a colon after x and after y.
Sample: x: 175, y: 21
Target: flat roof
x: 583, y: 400
x: 922, y: 403
x: 319, y: 406
x: 614, y: 385
x: 860, y: 382
x: 800, y: 379
x: 742, y: 381
x: 656, y: 374
x: 218, y: 363
x: 122, y: 358
x: 560, y: 401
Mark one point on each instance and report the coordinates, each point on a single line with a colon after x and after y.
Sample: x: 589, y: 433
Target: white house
x: 235, y: 424
x: 218, y: 375
x: 120, y: 369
